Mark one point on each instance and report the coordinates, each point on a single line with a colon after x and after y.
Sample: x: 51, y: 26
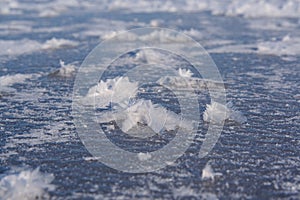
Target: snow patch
x: 160, y: 36
x: 250, y: 8
x: 6, y: 82
x: 286, y: 46
x: 15, y: 27
x: 55, y: 43
x: 257, y: 8
x: 27, y: 185
x: 18, y: 47
x: 26, y: 46
x: 9, y: 80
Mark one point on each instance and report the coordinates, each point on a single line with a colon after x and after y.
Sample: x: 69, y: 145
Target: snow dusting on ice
x: 26, y: 184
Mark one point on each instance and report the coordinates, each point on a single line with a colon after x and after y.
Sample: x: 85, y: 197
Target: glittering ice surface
x: 255, y: 45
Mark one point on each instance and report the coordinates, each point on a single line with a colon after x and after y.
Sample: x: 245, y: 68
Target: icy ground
x: 255, y: 45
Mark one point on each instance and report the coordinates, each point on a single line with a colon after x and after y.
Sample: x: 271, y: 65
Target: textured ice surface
x: 250, y: 8
x: 253, y: 43
x: 26, y: 184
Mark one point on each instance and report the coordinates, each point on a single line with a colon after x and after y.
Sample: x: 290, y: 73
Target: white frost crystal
x: 217, y: 112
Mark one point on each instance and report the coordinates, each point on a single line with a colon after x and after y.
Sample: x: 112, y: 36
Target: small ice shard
x: 26, y: 185
x: 65, y: 70
x: 208, y: 173
x: 186, y: 73
x: 217, y: 113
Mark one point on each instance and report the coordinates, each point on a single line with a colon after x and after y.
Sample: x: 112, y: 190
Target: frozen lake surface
x: 255, y: 45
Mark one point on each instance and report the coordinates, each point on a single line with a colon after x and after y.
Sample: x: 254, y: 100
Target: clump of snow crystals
x: 26, y: 185
x: 217, y: 113
x: 185, y: 73
x: 155, y: 116
x: 119, y: 92
x: 115, y: 90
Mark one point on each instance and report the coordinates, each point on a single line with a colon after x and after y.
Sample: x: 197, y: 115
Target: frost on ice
x: 185, y: 81
x: 26, y: 185
x: 208, y: 172
x: 117, y: 100
x: 216, y: 113
x: 185, y: 73
x: 65, y: 70
x: 154, y: 116
x: 119, y: 93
